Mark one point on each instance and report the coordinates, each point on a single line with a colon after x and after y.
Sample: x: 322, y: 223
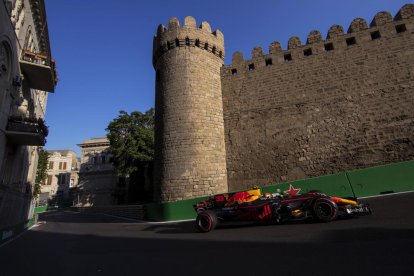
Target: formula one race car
x: 252, y: 205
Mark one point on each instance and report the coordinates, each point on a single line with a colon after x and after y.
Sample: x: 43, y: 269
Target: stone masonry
x: 190, y: 152
x: 328, y: 106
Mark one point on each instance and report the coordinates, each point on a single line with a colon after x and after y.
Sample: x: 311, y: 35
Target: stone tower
x: 190, y: 156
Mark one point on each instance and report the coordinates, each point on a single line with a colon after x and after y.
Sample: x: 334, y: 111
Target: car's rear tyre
x: 206, y: 221
x: 325, y: 210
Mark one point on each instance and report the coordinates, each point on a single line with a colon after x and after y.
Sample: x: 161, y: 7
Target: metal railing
x: 40, y: 59
x: 27, y: 125
x: 37, y: 58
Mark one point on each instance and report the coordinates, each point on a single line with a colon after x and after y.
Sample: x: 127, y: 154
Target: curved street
x: 70, y: 243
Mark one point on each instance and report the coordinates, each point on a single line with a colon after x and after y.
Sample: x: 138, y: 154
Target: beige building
x: 27, y: 74
x: 98, y: 181
x: 62, y: 176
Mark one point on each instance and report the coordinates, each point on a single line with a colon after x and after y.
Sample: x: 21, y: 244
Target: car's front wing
x: 360, y: 209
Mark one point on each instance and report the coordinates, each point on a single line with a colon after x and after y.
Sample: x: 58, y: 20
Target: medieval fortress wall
x: 328, y: 106
x: 189, y: 143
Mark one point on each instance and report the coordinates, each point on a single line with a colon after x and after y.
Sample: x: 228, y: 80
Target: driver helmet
x: 267, y: 195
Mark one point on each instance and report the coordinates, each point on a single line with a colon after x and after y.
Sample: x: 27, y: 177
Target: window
x: 197, y: 42
x: 350, y: 41
x: 187, y: 41
x: 307, y: 52
x: 233, y: 71
x: 251, y: 67
x: 205, y: 46
x: 214, y: 50
x: 62, y: 165
x: 177, y: 43
x: 49, y: 180
x: 51, y: 165
x: 61, y: 179
x: 375, y: 35
x: 221, y: 54
x: 287, y: 57
x: 329, y: 47
x: 268, y: 61
x: 400, y: 28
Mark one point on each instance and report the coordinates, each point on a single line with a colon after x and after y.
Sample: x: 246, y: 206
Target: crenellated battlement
x: 382, y: 26
x: 188, y: 35
x: 322, y: 106
x: 190, y: 155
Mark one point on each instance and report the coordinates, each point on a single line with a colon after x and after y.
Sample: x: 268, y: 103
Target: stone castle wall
x: 327, y: 106
x: 190, y: 156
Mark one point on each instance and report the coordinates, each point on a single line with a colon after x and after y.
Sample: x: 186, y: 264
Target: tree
x: 41, y: 172
x: 131, y: 137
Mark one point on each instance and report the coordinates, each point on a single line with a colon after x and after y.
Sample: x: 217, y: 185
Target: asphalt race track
x: 69, y: 243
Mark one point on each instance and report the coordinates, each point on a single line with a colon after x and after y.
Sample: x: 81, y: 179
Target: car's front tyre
x: 325, y: 210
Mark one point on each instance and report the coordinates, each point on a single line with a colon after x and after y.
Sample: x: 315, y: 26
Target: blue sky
x: 103, y: 49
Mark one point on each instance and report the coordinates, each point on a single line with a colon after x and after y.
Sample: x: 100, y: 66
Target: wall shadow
x: 67, y: 216
x: 200, y: 254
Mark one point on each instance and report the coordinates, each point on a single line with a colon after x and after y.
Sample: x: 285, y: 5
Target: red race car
x: 252, y: 205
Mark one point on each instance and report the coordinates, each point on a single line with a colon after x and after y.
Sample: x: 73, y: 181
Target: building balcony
x: 26, y: 131
x: 39, y: 70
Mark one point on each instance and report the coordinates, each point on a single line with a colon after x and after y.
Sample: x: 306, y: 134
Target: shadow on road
x: 381, y: 244
x: 172, y: 228
x: 368, y: 251
x: 67, y: 216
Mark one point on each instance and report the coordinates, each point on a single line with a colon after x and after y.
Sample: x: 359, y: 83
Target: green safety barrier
x: 8, y: 233
x: 40, y: 209
x: 392, y: 178
x: 397, y: 177
x: 178, y: 210
x: 333, y: 185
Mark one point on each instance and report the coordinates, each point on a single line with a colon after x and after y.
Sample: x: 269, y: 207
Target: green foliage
x: 131, y: 137
x: 41, y: 172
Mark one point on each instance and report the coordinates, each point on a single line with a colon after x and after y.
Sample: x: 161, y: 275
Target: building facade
x: 27, y: 74
x: 326, y: 106
x: 98, y: 182
x: 62, y: 177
